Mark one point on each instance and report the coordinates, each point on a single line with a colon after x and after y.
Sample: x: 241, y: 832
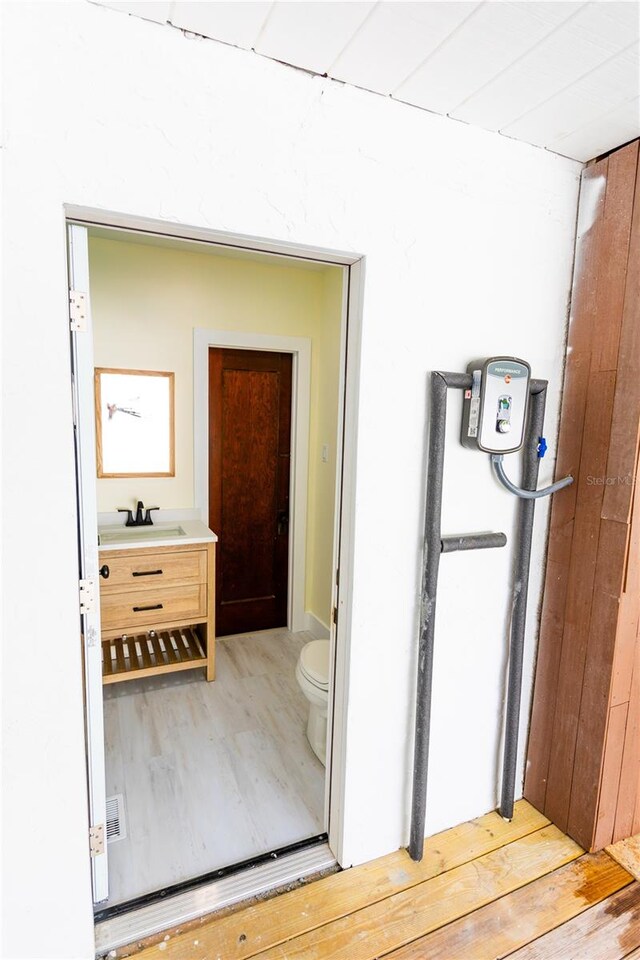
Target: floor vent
x: 116, y: 823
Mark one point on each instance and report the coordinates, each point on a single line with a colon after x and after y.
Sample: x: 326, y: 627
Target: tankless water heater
x: 494, y: 411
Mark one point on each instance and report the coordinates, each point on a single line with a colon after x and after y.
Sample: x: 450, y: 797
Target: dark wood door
x: 249, y: 467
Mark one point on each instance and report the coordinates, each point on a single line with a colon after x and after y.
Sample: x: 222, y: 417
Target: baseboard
x: 315, y: 626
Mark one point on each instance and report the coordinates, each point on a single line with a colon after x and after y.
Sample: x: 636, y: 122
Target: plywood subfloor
x: 212, y: 773
x: 485, y: 890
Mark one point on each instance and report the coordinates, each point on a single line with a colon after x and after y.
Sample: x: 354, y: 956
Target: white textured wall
x: 468, y: 238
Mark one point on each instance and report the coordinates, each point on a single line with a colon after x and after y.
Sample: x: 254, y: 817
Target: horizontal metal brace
x: 474, y: 541
x: 464, y: 381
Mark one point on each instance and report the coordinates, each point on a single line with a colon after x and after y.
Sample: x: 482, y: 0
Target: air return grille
x: 116, y: 823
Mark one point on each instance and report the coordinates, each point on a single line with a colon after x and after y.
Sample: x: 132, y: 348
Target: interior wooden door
x: 249, y: 472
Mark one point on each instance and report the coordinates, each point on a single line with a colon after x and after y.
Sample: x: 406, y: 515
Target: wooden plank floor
x: 486, y: 890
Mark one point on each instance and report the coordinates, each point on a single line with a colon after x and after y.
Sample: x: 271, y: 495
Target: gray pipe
x: 432, y: 548
x: 433, y: 545
x: 526, y: 510
x: 475, y: 541
x: 498, y: 468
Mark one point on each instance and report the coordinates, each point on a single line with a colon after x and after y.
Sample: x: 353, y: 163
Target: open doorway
x: 204, y: 774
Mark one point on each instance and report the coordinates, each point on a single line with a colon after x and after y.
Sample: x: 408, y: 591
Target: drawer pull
x: 146, y: 573
x: 155, y: 606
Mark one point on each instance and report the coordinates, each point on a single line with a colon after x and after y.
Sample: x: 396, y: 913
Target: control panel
x: 494, y: 411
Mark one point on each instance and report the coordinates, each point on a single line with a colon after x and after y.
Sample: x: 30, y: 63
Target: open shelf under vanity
x: 148, y: 654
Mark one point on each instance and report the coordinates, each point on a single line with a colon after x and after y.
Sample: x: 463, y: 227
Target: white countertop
x: 195, y: 531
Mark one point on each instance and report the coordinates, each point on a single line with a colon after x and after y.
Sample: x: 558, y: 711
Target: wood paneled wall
x: 583, y: 764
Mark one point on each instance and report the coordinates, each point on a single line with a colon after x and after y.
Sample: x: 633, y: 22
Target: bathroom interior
x: 216, y: 634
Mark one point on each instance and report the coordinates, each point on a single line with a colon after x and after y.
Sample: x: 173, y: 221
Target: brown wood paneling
x: 626, y: 426
x: 630, y: 763
x: 583, y: 756
x: 594, y: 704
x: 580, y: 592
x: 625, y: 648
x: 604, y: 810
x: 612, y: 270
x: 561, y: 529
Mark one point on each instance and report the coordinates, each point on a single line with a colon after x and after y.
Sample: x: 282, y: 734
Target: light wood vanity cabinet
x: 157, y: 610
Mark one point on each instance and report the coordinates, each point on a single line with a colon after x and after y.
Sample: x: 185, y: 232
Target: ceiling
x: 559, y: 74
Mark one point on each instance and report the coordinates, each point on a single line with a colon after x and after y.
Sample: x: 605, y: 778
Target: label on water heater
x: 505, y: 397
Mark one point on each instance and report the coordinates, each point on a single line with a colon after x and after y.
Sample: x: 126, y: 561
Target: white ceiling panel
x: 154, y: 10
x: 310, y: 35
x: 595, y: 94
x: 590, y: 37
x: 394, y: 40
x: 237, y: 23
x: 559, y: 74
x: 490, y: 39
x: 601, y: 134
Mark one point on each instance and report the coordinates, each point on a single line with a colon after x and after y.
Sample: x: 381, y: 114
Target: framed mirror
x: 134, y: 423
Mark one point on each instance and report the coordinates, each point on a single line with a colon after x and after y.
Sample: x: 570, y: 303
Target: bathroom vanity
x: 157, y: 599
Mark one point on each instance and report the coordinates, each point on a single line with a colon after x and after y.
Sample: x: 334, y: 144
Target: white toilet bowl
x: 312, y: 673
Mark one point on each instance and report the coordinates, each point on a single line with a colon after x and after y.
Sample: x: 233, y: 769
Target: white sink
x: 126, y: 534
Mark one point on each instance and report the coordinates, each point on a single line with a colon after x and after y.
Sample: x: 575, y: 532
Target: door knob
x: 104, y: 571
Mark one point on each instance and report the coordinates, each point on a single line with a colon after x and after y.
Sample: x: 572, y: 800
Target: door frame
x: 344, y: 542
x: 300, y: 348
x: 81, y: 343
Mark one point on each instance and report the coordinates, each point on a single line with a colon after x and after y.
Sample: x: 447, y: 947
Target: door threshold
x: 133, y: 921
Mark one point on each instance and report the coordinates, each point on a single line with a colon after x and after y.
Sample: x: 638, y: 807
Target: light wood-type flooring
x: 212, y: 773
x: 484, y: 890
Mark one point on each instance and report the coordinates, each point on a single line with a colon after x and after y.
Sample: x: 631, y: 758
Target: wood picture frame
x: 135, y: 422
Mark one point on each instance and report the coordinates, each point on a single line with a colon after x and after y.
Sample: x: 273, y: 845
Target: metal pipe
x: 498, y: 469
x: 530, y: 470
x: 434, y: 544
x: 475, y: 541
x: 432, y: 548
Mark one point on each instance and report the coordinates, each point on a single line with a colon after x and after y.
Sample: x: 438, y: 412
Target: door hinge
x: 338, y: 577
x: 87, y: 594
x: 96, y: 839
x: 78, y: 311
x: 334, y: 615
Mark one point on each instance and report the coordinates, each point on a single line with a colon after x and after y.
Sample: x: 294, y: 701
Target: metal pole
x: 433, y: 546
x: 431, y: 562
x: 474, y: 541
x: 538, y: 390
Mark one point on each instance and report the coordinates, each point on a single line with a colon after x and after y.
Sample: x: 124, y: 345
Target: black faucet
x: 140, y: 519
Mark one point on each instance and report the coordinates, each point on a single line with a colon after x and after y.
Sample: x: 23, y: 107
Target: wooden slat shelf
x: 147, y: 654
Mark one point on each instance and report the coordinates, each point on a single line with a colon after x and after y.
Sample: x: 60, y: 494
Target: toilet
x: 312, y: 673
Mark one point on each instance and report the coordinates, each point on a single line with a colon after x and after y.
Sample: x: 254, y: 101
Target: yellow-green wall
x: 146, y: 301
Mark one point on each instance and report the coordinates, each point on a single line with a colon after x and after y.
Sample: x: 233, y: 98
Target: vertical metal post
x: 535, y: 424
x: 432, y: 549
x: 440, y: 381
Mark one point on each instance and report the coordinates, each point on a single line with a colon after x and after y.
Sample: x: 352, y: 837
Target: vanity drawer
x: 137, y: 571
x: 165, y: 604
